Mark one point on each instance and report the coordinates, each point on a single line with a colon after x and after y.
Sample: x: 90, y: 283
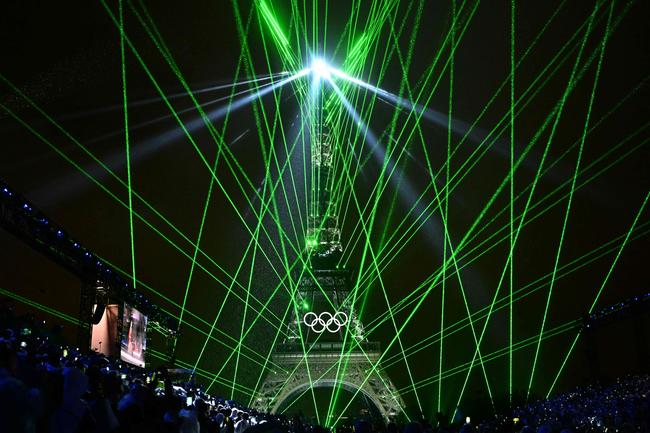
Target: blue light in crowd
x: 59, y: 233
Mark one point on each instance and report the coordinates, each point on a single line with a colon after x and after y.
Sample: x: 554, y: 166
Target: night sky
x: 65, y: 57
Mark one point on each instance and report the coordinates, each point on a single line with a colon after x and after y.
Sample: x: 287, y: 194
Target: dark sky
x: 66, y: 58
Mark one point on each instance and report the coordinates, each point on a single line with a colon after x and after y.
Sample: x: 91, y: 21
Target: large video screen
x: 134, y: 336
x: 104, y: 334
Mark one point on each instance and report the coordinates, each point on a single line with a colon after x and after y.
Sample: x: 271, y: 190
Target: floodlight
x: 320, y: 68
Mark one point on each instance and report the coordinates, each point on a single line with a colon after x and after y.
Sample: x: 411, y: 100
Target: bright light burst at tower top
x: 321, y: 69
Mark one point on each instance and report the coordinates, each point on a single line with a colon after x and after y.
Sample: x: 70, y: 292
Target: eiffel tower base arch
x: 319, y: 369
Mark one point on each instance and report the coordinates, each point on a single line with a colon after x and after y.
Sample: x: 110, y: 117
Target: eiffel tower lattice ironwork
x: 323, y: 326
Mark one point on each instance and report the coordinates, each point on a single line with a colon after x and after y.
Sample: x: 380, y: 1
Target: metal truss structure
x: 324, y: 359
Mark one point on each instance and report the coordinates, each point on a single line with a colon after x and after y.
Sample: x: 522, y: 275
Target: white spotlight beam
x: 458, y: 127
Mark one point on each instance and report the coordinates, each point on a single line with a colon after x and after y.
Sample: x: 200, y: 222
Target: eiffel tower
x: 323, y: 326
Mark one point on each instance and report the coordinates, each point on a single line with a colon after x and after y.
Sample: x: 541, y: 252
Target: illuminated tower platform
x: 325, y: 344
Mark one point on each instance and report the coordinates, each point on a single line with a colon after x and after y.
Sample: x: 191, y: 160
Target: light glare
x: 320, y: 68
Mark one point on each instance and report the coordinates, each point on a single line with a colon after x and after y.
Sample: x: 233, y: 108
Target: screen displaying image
x: 134, y: 336
x: 104, y: 334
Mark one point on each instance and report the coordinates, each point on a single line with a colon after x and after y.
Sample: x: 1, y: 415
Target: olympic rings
x: 325, y: 321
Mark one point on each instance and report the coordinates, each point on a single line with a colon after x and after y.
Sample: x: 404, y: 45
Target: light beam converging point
x: 321, y: 69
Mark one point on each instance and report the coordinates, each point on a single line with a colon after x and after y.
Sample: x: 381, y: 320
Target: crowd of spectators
x: 46, y: 386
x: 620, y: 407
x: 623, y: 406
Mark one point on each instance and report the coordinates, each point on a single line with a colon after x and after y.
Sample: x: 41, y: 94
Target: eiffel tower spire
x: 323, y: 231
